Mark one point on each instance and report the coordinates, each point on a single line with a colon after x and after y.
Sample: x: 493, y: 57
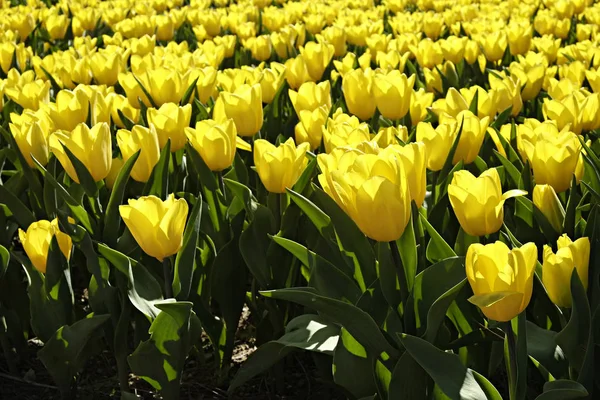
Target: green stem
x: 120, y: 343
x: 274, y: 203
x: 400, y: 271
x: 167, y: 276
x: 221, y: 184
x: 511, y: 359
x: 434, y: 179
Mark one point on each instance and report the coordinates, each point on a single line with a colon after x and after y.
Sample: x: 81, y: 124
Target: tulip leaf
x: 447, y: 167
x: 129, y: 124
x: 245, y: 195
x: 254, y: 244
x: 158, y: 183
x: 189, y: 92
x: 79, y: 213
x: 4, y: 259
x: 307, y: 332
x: 437, y: 249
x: 541, y: 345
x: 143, y: 290
x: 502, y: 118
x: 322, y: 272
x: 571, y: 209
x: 207, y: 178
x: 409, y: 380
x: 546, y: 227
x: 509, y: 167
x: 83, y: 174
x: 306, y: 176
x: 21, y: 213
x: 388, y: 277
x: 576, y: 338
x: 407, y: 246
x: 351, y: 367
x: 358, y: 323
x: 147, y: 94
x: 511, y: 154
x: 489, y: 299
x: 473, y: 107
x: 160, y: 359
x: 563, y: 389
x: 185, y: 260
x: 320, y: 220
x: 112, y: 219
x: 69, y: 348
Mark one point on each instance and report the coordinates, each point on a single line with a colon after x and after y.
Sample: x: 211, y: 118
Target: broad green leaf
x: 254, y: 243
x: 21, y: 213
x: 158, y: 183
x: 437, y: 249
x: 541, y: 345
x: 409, y: 380
x: 185, y: 259
x: 321, y: 220
x: 4, y: 259
x: 83, y: 175
x: 352, y: 371
x: 244, y: 193
x: 563, y: 389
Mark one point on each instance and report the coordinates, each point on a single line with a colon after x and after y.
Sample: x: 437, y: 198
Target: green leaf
x: 112, y: 218
x: 185, y: 260
x: 129, y: 124
x: 147, y: 93
x: 254, y: 243
x: 85, y: 177
x: 511, y: 170
x: 352, y: 368
x: 446, y: 369
x: 243, y: 193
x: 158, y: 183
x: 321, y: 220
x: 437, y: 249
x: 4, y: 260
x: 306, y: 332
x: 69, y: 348
x: 358, y: 323
x: 541, y: 345
x: 21, y: 213
x: 447, y: 167
x: 160, y: 359
x: 407, y: 245
x: 188, y: 93
x: 409, y: 380
x: 571, y: 209
x: 502, y: 118
x: 307, y: 175
x: 563, y: 389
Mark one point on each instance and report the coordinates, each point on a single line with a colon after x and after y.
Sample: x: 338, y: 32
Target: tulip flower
x: 428, y: 53
x: 558, y: 267
x: 454, y: 48
x: 30, y: 95
x: 244, y: 106
x: 390, y: 136
x: 419, y: 102
x: 392, y: 93
x: 279, y: 167
x: 120, y: 103
x: 144, y: 139
x: 545, y: 198
x: 297, y: 72
x: 271, y: 81
x: 157, y: 226
x: 205, y: 86
x: 310, y: 127
x: 508, y: 93
x: 32, y: 140
x: 36, y: 242
x: 437, y: 142
x: 501, y: 279
x: 260, y: 47
x: 344, y: 132
x: 311, y: 96
x: 359, y: 94
x: 215, y: 142
x: 92, y: 147
x: 106, y: 67
x: 317, y: 57
x: 71, y: 108
x: 519, y: 38
x: 478, y: 202
x: 57, y: 26
x: 335, y: 36
x: 170, y: 121
x: 115, y: 169
x: 372, y: 189
x: 413, y: 159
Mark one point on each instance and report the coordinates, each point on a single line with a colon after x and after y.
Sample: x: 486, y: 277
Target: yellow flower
x: 335, y: 36
x: 357, y: 86
x: 260, y: 47
x: 71, y: 108
x: 309, y: 129
x: 414, y: 162
x: 297, y: 72
x: 30, y: 95
x: 566, y: 113
x: 32, y: 140
x: 157, y: 226
x: 343, y: 130
x: 165, y: 28
x: 244, y: 106
x: 545, y: 198
x: 428, y: 53
x: 90, y: 146
x: 170, y: 120
x: 36, y: 242
x: 346, y: 64
x: 106, y: 67
x: 317, y: 57
x: 272, y: 79
x: 371, y: 189
x: 454, y: 48
x: 311, y: 96
x: 144, y: 139
x: 493, y: 45
x: 507, y: 93
x: 533, y: 78
x: 437, y: 142
x: 165, y: 85
x: 120, y: 102
x: 478, y: 202
x: 390, y: 135
x: 433, y: 24
x: 472, y: 52
x: 115, y: 169
x: 557, y: 268
x: 392, y: 93
x: 57, y: 25
x: 207, y: 79
x: 215, y: 142
x: 279, y: 167
x: 471, y: 139
x: 501, y: 279
x: 419, y: 102
x: 519, y: 38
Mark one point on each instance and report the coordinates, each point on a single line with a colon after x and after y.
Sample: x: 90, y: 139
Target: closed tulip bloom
x: 419, y: 102
x: 244, y: 106
x: 454, y: 48
x: 297, y: 72
x: 36, y: 242
x: 558, y: 268
x: 566, y: 113
x: 157, y: 226
x: 501, y: 279
x: 472, y: 51
x: 260, y: 47
x: 165, y: 85
x: 437, y: 142
x: 170, y: 121
x: 144, y: 139
x: 90, y: 146
x: 310, y: 127
x: 593, y: 77
x: 30, y: 95
x: 317, y: 57
x: 493, y: 45
x: 507, y: 93
x: 57, y: 26
x: 519, y: 38
x: 545, y: 198
x: 532, y: 78
x: 371, y: 189
x: 115, y: 169
x: 335, y: 36
x: 106, y: 67
x: 205, y: 86
x: 346, y: 65
x: 71, y: 108
x: 279, y: 167
x: 390, y: 136
x: 590, y: 112
x: 311, y: 96
x: 165, y: 28
x: 357, y: 86
x: 32, y: 140
x: 414, y: 162
x: 471, y: 139
x: 271, y: 81
x: 215, y: 142
x: 433, y: 24
x: 120, y: 102
x: 392, y: 93
x: 478, y: 202
x: 428, y: 53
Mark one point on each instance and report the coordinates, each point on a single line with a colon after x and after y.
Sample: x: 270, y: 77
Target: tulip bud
x: 478, y: 202
x: 519, y: 38
x: 297, y: 72
x: 71, y: 108
x: 545, y: 198
x: 157, y: 226
x: 32, y: 141
x: 390, y: 136
x: 170, y: 120
x: 215, y: 142
x: 279, y: 167
x: 260, y: 47
x: 557, y: 268
x: 311, y: 96
x: 144, y: 139
x: 420, y: 101
x: 413, y: 159
x: 309, y: 129
x: 120, y: 103
x: 317, y: 57
x: 57, y: 26
x: 392, y: 93
x: 358, y: 93
x: 36, y: 242
x: 106, y: 67
x: 428, y: 53
x: 437, y: 142
x: 271, y: 81
x: 30, y: 95
x: 501, y: 279
x: 244, y: 106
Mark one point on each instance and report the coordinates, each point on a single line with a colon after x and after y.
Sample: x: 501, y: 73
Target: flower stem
x: 167, y: 276
x: 400, y: 271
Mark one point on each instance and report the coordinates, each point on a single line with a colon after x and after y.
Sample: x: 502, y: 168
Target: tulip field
x: 398, y: 198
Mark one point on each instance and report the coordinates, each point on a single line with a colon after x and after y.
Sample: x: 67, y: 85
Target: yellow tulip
x: 144, y: 139
x: 71, y: 108
x: 165, y: 28
x: 494, y: 45
x: 558, y: 267
x: 317, y: 57
x: 30, y: 95
x: 90, y: 146
x: 593, y: 77
x: 390, y: 136
x: 165, y: 85
x: 371, y: 189
x: 279, y: 167
x: 433, y: 24
x: 272, y: 79
x: 507, y: 93
x: 519, y: 38
x: 454, y: 48
x: 565, y: 112
x: 428, y: 53
x: 357, y: 86
x: 207, y: 79
x: 377, y: 43
x: 215, y: 142
x: 36, y: 242
x: 501, y: 279
x: 545, y: 198
x: 437, y: 142
x: 120, y: 102
x: 32, y: 140
x: 244, y: 106
x: 419, y: 103
x: 478, y: 202
x: 344, y: 130
x: 106, y: 67
x: 471, y: 138
x: 392, y: 92
x: 346, y: 65
x: 157, y: 226
x: 335, y: 36
x: 170, y: 121
x: 260, y: 47
x: 309, y: 129
x: 532, y: 78
x: 57, y: 26
x: 472, y: 52
x: 297, y: 72
x: 115, y: 169
x: 414, y: 162
x: 311, y: 96
x: 558, y: 90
